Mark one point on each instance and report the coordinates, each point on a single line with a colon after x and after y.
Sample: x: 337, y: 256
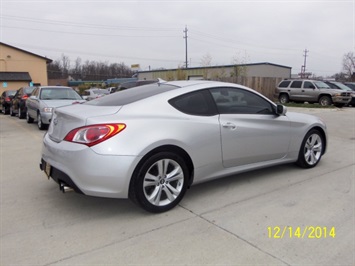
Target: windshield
x: 342, y: 86
x: 29, y: 90
x: 57, y: 93
x: 321, y: 85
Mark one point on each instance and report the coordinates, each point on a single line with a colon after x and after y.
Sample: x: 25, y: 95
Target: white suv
x: 312, y: 91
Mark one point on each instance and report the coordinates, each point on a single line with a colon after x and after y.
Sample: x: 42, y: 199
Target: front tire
x: 325, y: 101
x: 40, y: 124
x: 311, y: 149
x: 21, y: 114
x: 28, y: 118
x: 160, y: 182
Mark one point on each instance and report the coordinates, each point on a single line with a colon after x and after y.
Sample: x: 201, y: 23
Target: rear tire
x: 12, y: 111
x: 311, y: 150
x: 283, y: 98
x: 6, y: 111
x: 159, y: 183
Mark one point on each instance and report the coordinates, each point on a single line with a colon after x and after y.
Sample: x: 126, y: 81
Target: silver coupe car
x: 152, y: 142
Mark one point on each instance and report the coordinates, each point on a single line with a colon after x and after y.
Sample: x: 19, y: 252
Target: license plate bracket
x: 47, y: 169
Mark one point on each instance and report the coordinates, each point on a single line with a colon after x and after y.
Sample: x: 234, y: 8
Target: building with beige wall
x: 20, y: 68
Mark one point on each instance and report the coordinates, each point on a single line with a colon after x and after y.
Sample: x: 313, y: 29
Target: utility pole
x: 303, y: 68
x: 185, y: 37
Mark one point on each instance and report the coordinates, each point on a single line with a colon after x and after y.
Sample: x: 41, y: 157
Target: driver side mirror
x: 281, y: 109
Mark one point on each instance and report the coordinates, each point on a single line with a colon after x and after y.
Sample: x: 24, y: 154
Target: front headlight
x: 47, y: 109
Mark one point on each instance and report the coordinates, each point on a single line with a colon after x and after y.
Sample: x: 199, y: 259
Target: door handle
x: 229, y: 125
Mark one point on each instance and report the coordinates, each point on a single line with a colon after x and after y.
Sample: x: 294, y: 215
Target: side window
x: 284, y: 84
x: 308, y: 85
x: 195, y: 103
x: 240, y: 101
x: 296, y: 84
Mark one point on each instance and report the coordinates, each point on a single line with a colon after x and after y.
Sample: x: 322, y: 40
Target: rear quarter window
x: 284, y: 84
x: 198, y: 103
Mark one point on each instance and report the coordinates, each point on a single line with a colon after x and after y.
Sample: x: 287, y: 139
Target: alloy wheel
x: 313, y: 149
x: 163, y: 182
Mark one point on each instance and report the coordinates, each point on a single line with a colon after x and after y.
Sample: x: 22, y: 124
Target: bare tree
x: 90, y: 70
x: 206, y: 61
x: 54, y: 70
x: 76, y: 71
x: 239, y: 62
x: 65, y: 61
x: 349, y: 64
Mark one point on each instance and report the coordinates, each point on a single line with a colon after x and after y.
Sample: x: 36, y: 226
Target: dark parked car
x: 18, y: 105
x: 341, y: 86
x: 5, y: 101
x: 351, y: 85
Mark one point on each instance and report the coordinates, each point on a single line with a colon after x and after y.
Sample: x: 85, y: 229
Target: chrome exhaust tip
x: 65, y: 188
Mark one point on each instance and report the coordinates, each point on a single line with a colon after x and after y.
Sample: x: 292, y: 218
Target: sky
x: 151, y: 33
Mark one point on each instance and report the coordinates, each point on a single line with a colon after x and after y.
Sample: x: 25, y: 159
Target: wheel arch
x: 170, y: 148
x: 325, y: 94
x: 323, y: 135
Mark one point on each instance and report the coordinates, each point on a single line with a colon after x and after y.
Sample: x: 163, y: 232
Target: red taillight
x: 7, y: 99
x: 94, y: 134
x: 24, y: 97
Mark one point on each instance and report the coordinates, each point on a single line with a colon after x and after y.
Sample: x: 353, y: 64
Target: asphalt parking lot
x: 277, y: 216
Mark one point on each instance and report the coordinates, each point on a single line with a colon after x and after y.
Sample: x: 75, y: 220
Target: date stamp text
x: 315, y: 232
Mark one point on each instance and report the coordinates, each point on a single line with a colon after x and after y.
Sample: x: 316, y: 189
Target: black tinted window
x: 296, y: 84
x: 240, y: 101
x: 195, y: 103
x: 132, y: 95
x: 284, y: 83
x: 308, y: 85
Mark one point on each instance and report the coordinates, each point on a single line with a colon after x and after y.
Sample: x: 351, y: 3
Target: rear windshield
x: 132, y: 95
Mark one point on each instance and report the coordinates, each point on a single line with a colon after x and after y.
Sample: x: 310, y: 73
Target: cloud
x: 151, y: 32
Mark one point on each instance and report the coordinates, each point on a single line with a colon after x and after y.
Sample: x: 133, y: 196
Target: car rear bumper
x: 85, y: 171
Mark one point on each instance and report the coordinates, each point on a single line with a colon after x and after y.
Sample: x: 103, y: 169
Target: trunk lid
x: 67, y: 118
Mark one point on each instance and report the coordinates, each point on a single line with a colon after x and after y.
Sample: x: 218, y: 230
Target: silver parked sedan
x: 150, y: 143
x: 44, y: 99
